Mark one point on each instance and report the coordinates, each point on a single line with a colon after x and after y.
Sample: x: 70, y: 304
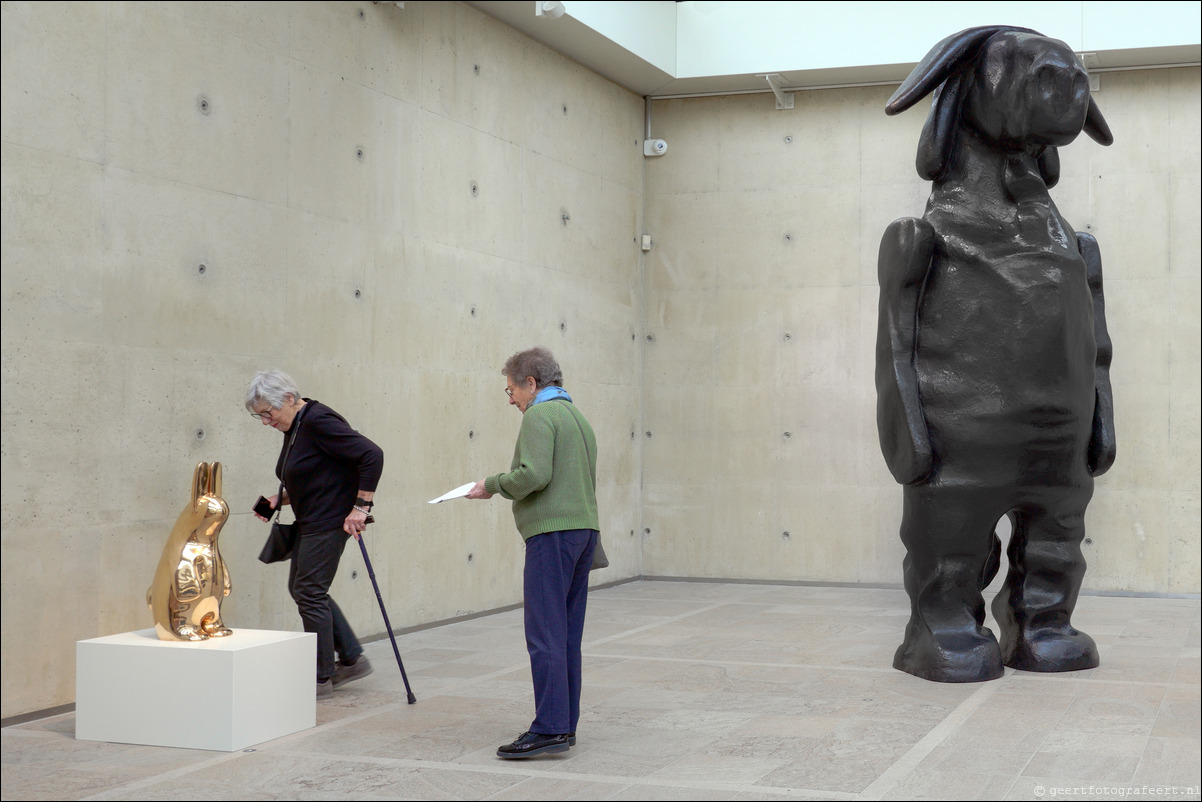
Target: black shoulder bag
x: 282, y: 539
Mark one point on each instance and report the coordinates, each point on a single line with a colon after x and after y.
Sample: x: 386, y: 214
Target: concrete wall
x: 761, y: 457
x: 377, y: 197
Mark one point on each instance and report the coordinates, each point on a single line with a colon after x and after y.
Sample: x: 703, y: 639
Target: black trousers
x: 556, y: 594
x: 314, y: 564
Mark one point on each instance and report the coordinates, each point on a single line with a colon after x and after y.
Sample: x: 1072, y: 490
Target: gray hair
x: 536, y: 362
x: 271, y: 386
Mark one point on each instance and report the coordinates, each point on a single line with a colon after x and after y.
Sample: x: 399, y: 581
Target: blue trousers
x: 314, y: 563
x: 556, y: 593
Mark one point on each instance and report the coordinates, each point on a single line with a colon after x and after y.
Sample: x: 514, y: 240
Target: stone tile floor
x: 699, y: 690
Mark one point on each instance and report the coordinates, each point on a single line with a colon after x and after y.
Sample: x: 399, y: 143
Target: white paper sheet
x: 458, y: 492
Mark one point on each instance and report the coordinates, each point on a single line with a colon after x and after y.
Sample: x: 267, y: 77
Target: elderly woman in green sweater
x: 552, y: 483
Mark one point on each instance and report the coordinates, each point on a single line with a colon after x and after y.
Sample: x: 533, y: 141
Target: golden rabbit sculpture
x: 192, y: 579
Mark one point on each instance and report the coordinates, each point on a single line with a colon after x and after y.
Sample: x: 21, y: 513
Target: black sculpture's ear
x: 941, y: 62
x: 1096, y: 127
x: 939, y: 133
x: 1049, y: 166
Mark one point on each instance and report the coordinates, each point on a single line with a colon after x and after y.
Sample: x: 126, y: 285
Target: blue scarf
x: 548, y: 393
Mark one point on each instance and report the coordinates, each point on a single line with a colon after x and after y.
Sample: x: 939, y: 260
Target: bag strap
x: 587, y: 451
x: 296, y: 422
x: 599, y: 558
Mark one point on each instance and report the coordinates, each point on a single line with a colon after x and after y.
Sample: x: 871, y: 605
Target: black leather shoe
x: 529, y: 744
x: 571, y: 739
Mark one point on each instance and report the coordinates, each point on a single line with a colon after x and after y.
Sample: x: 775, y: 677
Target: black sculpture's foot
x: 962, y: 657
x: 1050, y: 650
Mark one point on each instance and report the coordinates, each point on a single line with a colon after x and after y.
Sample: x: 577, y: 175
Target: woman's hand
x: 478, y: 492
x: 355, y: 523
x: 274, y: 501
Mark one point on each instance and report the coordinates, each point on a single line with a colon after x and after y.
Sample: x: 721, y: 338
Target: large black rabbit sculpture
x: 992, y: 360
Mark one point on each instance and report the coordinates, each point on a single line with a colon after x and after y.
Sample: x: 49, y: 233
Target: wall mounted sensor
x: 654, y: 147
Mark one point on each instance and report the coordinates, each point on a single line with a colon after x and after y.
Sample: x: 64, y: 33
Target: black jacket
x: 329, y: 464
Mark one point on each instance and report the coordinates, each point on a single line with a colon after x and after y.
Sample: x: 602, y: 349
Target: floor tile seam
x: 1147, y: 739
x: 1032, y: 677
x: 784, y: 608
x: 333, y: 725
x: 644, y: 601
x: 936, y: 737
x: 648, y: 627
x: 882, y: 669
x: 1011, y: 674
x: 30, y: 733
x: 526, y: 769
x: 1043, y: 740
x: 124, y: 790
x: 355, y: 718
x: 1056, y: 725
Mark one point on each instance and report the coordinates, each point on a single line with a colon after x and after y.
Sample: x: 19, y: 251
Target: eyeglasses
x: 265, y: 415
x: 526, y: 384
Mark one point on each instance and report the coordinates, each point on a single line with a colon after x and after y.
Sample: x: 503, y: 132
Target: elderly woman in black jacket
x: 329, y: 474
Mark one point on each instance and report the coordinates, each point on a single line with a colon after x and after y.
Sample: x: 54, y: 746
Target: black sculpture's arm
x: 1102, y: 446
x: 905, y: 258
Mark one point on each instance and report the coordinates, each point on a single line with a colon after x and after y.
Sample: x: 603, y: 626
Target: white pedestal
x: 222, y: 693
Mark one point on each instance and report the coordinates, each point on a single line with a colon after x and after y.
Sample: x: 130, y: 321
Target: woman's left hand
x: 355, y: 523
x: 478, y: 492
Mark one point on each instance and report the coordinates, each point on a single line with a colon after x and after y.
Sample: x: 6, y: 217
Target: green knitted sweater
x: 551, y: 481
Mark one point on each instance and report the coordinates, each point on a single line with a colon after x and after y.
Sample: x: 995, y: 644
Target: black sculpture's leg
x: 1034, y: 607
x: 949, y: 534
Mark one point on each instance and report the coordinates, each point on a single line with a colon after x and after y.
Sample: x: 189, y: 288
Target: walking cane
x: 380, y: 599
